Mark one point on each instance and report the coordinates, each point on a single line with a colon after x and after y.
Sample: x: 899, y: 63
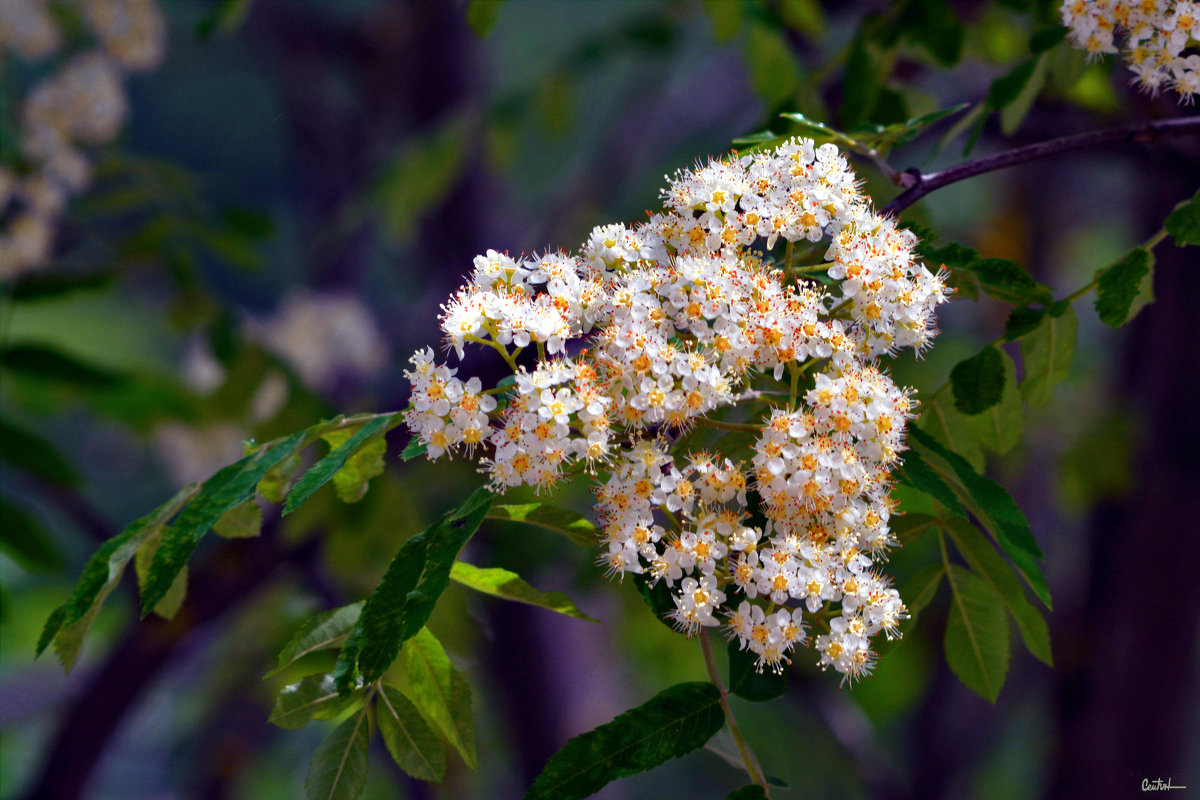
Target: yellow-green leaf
x: 510, y: 586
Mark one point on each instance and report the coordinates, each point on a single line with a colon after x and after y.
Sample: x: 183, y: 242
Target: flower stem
x: 739, y: 427
x: 752, y: 767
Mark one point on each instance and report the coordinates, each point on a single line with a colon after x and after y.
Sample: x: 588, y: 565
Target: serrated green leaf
x: 978, y: 382
x: 983, y: 558
x: 921, y: 588
x: 240, y: 522
x: 999, y: 427
x: 311, y: 697
x: 747, y: 681
x: 23, y: 540
x: 339, y: 457
x: 220, y: 494
x: 1008, y: 282
x: 919, y: 475
x: 1184, y: 222
x: 1046, y: 353
x: 440, y: 692
x: 903, y: 132
x: 351, y: 480
x: 415, y: 579
x: 67, y: 625
x: 275, y: 484
x: 574, y: 526
x: 169, y: 605
x: 338, y: 770
x: 1119, y: 285
x: 510, y: 586
x: 324, y: 631
x: 657, y: 595
x: 413, y: 744
x: 751, y: 792
x: 976, y: 641
x: 30, y: 452
x: 673, y: 723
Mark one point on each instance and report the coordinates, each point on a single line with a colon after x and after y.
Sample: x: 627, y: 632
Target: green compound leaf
x: 976, y: 642
x: 978, y: 382
x: 23, y: 540
x: 169, y: 606
x: 414, y: 581
x: 324, y: 631
x: 312, y: 697
x: 999, y: 427
x: 441, y: 693
x: 1120, y: 284
x: 510, y: 586
x: 1184, y: 222
x: 31, y: 452
x: 345, y: 456
x: 917, y: 473
x: 68, y: 624
x: 747, y: 681
x: 1047, y: 352
x: 921, y: 588
x: 983, y: 558
x: 671, y: 724
x: 338, y: 770
x: 241, y: 522
x: 413, y: 744
x: 219, y: 495
x: 574, y: 526
x: 993, y: 505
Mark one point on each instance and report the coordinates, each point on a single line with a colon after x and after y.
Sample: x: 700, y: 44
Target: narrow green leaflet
x: 69, y: 623
x: 574, y: 526
x: 337, y: 459
x: 240, y: 522
x: 958, y: 432
x: 413, y: 744
x: 23, y: 540
x: 1047, y: 352
x: 413, y: 449
x: 440, y: 692
x: 978, y: 382
x: 674, y: 722
x: 510, y: 586
x: 31, y: 452
x: 1119, y: 285
x: 919, y: 475
x: 983, y: 558
x: 747, y: 681
x: 338, y: 770
x: 1184, y: 222
x: 921, y: 588
x: 312, y: 697
x: 324, y: 631
x: 414, y: 581
x: 220, y: 494
x: 999, y: 427
x: 169, y: 605
x: 976, y: 641
x: 910, y: 527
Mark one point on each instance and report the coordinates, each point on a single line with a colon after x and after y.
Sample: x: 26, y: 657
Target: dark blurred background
x: 337, y: 165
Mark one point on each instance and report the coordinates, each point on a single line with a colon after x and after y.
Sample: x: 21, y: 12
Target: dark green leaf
x: 976, y: 642
x: 951, y: 427
x: 338, y: 770
x: 249, y: 224
x: 673, y: 723
x: 44, y: 286
x: 921, y: 588
x: 1006, y: 89
x: 322, y: 632
x: 919, y: 475
x: 910, y: 527
x: 934, y: 26
x: 773, y: 70
x: 169, y: 605
x: 999, y: 427
x: 902, y: 133
x: 978, y: 382
x: 749, y: 682
x: 1008, y: 282
x: 510, y: 586
x: 413, y: 744
x: 1184, y: 222
x: 658, y: 596
x: 440, y: 692
x: 275, y: 484
x: 860, y: 86
x: 1013, y: 114
x: 1046, y: 354
x: 751, y: 792
x: 812, y: 129
x: 220, y: 494
x: 983, y: 558
x: 1021, y: 322
x: 47, y: 364
x: 325, y: 469
x: 226, y: 16
x: 241, y: 522
x: 574, y: 526
x: 25, y: 542
x: 1119, y: 285
x: 312, y: 697
x: 414, y: 581
x: 413, y: 449
x: 1046, y: 39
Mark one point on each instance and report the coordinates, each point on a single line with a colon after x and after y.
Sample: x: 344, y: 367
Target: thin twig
x: 752, y: 767
x: 1144, y: 133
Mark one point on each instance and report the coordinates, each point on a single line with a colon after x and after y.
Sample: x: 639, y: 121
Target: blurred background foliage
x: 302, y: 182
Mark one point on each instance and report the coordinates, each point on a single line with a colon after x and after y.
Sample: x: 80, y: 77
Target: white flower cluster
x: 1156, y: 33
x: 650, y: 329
x: 82, y: 104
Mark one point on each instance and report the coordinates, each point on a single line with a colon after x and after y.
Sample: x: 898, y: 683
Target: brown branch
x: 920, y: 185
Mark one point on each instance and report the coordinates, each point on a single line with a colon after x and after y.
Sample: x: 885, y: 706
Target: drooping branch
x: 920, y: 185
